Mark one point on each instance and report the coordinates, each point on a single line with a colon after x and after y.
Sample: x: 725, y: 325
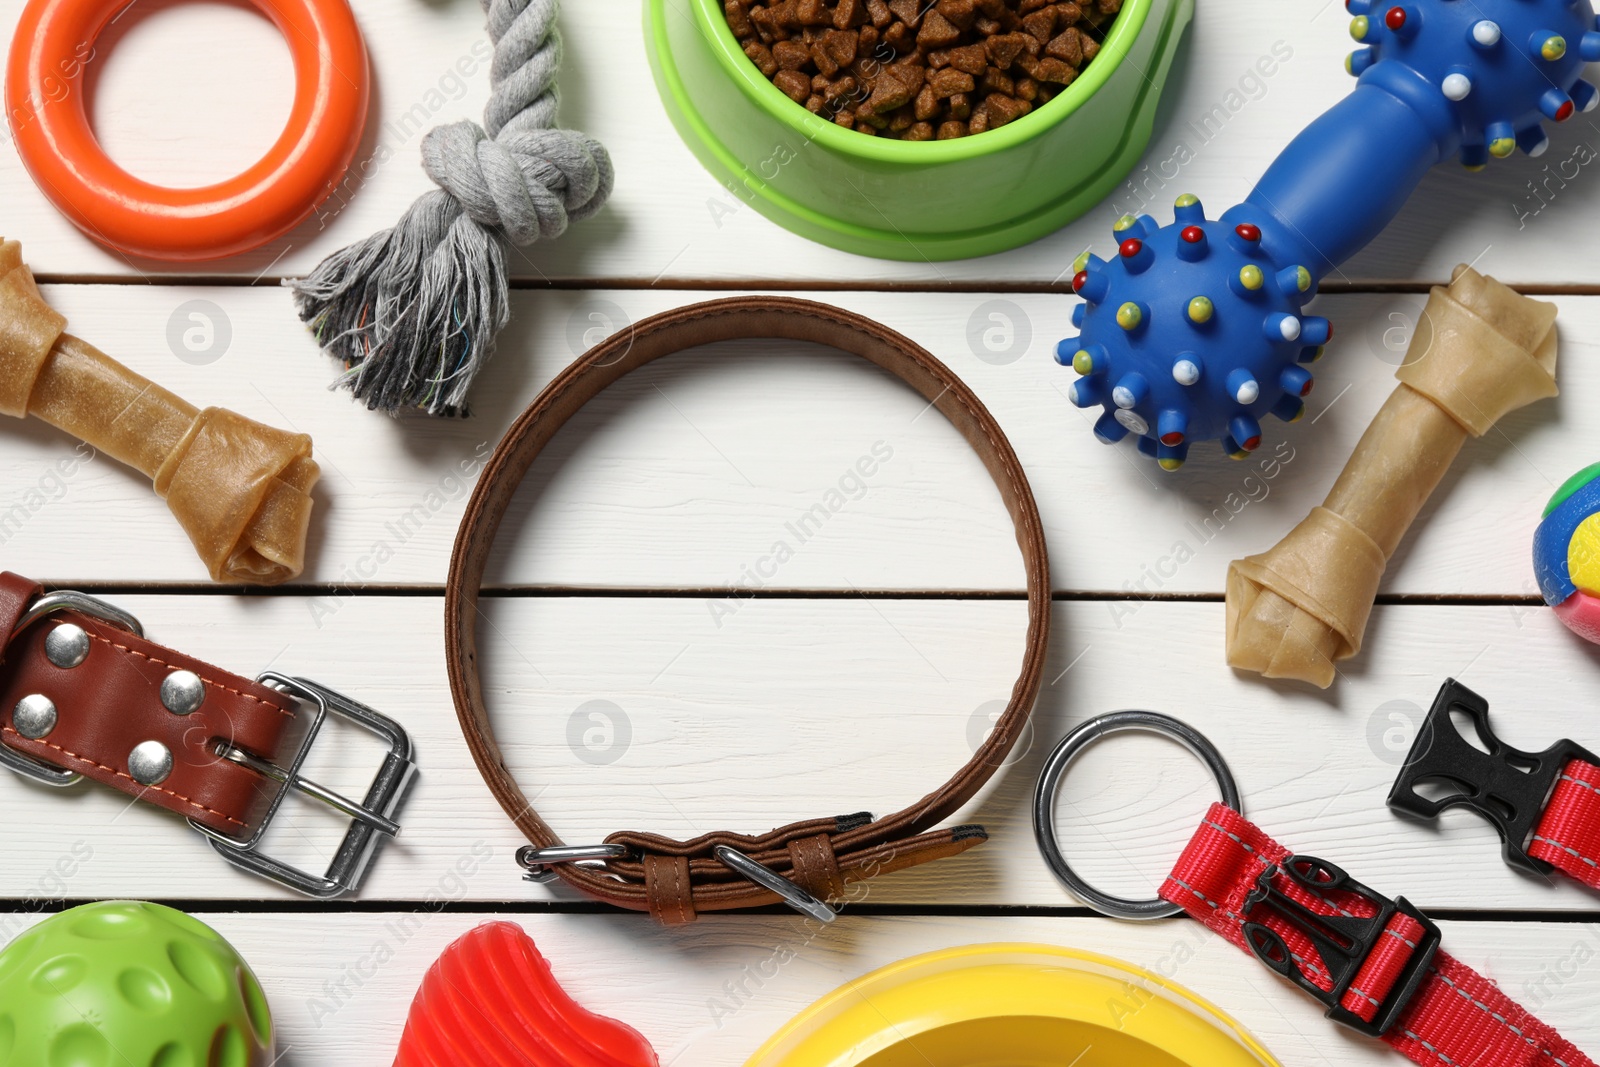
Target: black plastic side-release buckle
x: 1505, y: 785
x: 1343, y: 941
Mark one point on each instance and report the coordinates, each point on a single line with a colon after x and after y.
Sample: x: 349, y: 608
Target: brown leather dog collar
x: 671, y: 879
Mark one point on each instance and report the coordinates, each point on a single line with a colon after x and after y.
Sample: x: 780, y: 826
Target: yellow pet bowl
x: 1011, y: 1005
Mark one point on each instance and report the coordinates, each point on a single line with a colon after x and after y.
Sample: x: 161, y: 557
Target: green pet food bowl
x: 912, y: 200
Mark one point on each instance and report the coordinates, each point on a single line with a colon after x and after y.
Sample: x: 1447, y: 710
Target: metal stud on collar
x: 150, y: 762
x: 182, y: 692
x: 67, y: 645
x: 767, y: 878
x: 34, y: 716
x: 49, y: 604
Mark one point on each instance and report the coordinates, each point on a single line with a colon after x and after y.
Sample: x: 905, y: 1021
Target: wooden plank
x: 645, y: 713
x: 1524, y: 220
x: 711, y: 993
x: 711, y: 462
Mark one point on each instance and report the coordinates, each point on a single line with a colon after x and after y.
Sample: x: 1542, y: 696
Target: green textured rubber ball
x: 128, y: 984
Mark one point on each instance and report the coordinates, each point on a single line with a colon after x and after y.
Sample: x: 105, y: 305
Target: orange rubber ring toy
x: 45, y: 108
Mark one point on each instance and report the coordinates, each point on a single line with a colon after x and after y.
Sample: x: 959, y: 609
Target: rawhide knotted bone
x: 241, y: 490
x: 1479, y: 352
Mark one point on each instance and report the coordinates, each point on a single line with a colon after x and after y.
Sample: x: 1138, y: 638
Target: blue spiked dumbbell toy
x: 1195, y: 331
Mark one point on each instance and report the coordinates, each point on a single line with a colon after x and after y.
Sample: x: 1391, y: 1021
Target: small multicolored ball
x: 1566, y: 553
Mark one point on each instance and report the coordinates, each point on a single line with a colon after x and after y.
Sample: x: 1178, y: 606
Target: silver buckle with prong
x: 371, y: 820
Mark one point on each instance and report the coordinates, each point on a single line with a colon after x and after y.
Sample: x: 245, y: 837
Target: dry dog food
x: 921, y: 69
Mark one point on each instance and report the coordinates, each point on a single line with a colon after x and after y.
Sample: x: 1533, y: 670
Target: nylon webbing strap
x: 1568, y: 834
x: 1372, y: 961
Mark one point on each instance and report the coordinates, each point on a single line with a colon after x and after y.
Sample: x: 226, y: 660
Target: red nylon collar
x: 1455, y: 1017
x: 1568, y: 835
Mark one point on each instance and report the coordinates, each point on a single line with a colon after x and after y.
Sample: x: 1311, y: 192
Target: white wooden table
x: 892, y: 633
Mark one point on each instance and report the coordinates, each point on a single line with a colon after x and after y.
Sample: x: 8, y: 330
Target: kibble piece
x: 815, y: 103
x: 820, y: 59
x: 971, y: 59
x: 840, y: 45
x: 845, y: 118
x: 907, y: 11
x: 1053, y: 70
x: 960, y: 106
x: 979, y: 120
x: 738, y: 19
x: 1027, y: 89
x: 786, y: 15
x: 959, y: 13
x: 1027, y: 7
x: 849, y: 14
x: 795, y: 86
x: 865, y: 116
x: 902, y: 120
x: 1003, y: 109
x: 951, y: 129
x: 921, y: 131
x: 937, y: 31
x: 761, y: 56
x: 897, y: 85
x: 791, y: 55
x: 1003, y: 51
x: 996, y: 82
x: 812, y: 13
x: 1068, y: 14
x: 879, y: 13
x: 1091, y: 47
x: 928, y: 103
x: 1066, y: 46
x: 1041, y: 24
x: 951, y: 81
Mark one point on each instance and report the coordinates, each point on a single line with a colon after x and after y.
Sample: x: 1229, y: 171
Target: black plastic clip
x: 1505, y: 785
x: 1343, y: 941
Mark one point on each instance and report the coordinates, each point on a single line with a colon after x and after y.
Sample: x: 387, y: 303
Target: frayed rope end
x: 411, y: 312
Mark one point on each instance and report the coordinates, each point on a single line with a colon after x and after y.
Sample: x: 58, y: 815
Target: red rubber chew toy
x: 490, y: 999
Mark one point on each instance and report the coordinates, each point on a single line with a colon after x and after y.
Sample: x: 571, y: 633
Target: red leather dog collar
x: 84, y: 694
x: 1374, y: 962
x: 815, y: 858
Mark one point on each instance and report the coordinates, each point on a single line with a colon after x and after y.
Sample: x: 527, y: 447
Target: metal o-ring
x: 1055, y: 770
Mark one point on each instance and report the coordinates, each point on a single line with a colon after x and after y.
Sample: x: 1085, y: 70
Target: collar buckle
x: 1505, y: 785
x: 372, y: 819
x: 1342, y: 940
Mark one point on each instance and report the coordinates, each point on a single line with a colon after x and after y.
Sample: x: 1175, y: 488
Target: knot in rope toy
x: 413, y: 310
